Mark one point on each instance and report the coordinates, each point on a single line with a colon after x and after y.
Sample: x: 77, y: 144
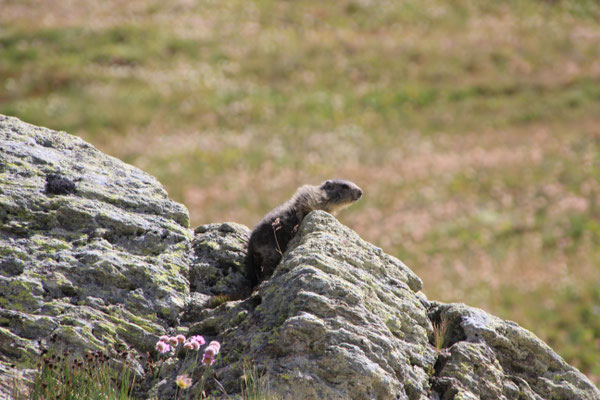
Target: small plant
x: 217, y: 300
x: 440, y: 329
x: 183, y: 382
x: 254, y: 384
x: 277, y: 226
x: 99, y: 376
x: 172, y: 346
x: 63, y: 377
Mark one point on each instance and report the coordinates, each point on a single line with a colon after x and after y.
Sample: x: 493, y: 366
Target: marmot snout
x: 270, y: 237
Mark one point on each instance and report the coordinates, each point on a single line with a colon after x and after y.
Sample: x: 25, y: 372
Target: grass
x: 472, y: 127
x: 63, y: 377
x: 98, y: 375
x: 254, y: 385
x: 440, y: 330
x: 217, y: 300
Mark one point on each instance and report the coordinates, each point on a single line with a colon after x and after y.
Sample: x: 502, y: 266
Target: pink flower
x: 195, y: 345
x: 216, y: 345
x: 198, y: 339
x: 208, y: 359
x: 210, y: 352
x: 180, y: 338
x: 189, y: 345
x: 173, y: 341
x: 164, y: 338
x: 162, y: 347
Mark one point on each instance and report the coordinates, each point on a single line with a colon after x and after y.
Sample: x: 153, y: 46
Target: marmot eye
x: 344, y: 186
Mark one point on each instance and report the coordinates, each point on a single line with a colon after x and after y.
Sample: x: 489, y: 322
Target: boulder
x: 489, y: 358
x: 95, y: 256
x: 342, y: 319
x: 93, y: 253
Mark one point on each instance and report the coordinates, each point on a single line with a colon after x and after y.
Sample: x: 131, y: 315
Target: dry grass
x: 472, y: 126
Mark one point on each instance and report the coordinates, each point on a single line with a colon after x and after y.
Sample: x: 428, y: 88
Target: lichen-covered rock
x: 338, y: 319
x: 219, y: 259
x: 489, y: 358
x: 342, y: 319
x: 93, y: 255
x: 92, y: 250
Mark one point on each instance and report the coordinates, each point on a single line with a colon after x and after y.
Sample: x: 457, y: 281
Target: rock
x: 346, y: 316
x: 94, y: 255
x: 342, y: 319
x: 218, y: 266
x: 490, y: 358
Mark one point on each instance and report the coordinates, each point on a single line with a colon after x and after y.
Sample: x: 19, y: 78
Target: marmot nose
x: 359, y: 194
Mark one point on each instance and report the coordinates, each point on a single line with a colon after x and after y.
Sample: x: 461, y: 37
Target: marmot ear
x: 327, y: 184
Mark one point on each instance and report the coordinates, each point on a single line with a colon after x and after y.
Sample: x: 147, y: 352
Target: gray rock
x: 219, y: 258
x: 489, y: 358
x: 341, y: 319
x: 94, y: 255
x: 101, y: 264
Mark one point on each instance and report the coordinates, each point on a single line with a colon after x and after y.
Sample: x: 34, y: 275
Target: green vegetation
x: 217, y: 300
x: 440, y: 331
x: 472, y: 126
x: 98, y: 375
x: 63, y: 377
x: 254, y: 385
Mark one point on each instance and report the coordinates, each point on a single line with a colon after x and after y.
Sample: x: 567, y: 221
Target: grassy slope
x: 473, y: 126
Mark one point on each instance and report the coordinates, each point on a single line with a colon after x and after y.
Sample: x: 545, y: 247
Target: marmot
x: 270, y: 237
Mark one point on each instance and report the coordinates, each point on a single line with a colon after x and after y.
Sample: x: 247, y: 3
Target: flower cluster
x: 162, y: 347
x: 194, y: 343
x: 165, y: 343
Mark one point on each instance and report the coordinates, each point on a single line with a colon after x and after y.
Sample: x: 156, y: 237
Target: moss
x: 105, y: 327
x: 465, y: 368
x: 210, y: 244
x: 61, y: 281
x: 49, y: 245
x: 131, y: 333
x: 172, y: 268
x: 20, y: 350
x: 273, y: 337
x: 20, y: 295
x: 55, y: 307
x: 121, y: 317
x: 395, y: 326
x: 82, y: 336
x: 239, y: 318
x: 70, y: 320
x: 6, y: 251
x: 257, y: 341
x: 165, y: 277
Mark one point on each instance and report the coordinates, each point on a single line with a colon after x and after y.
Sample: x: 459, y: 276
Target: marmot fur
x: 270, y: 237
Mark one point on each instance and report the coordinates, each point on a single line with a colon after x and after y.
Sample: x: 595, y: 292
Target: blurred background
x: 472, y: 125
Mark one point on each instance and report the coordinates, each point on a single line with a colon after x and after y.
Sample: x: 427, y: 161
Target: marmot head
x: 339, y: 193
